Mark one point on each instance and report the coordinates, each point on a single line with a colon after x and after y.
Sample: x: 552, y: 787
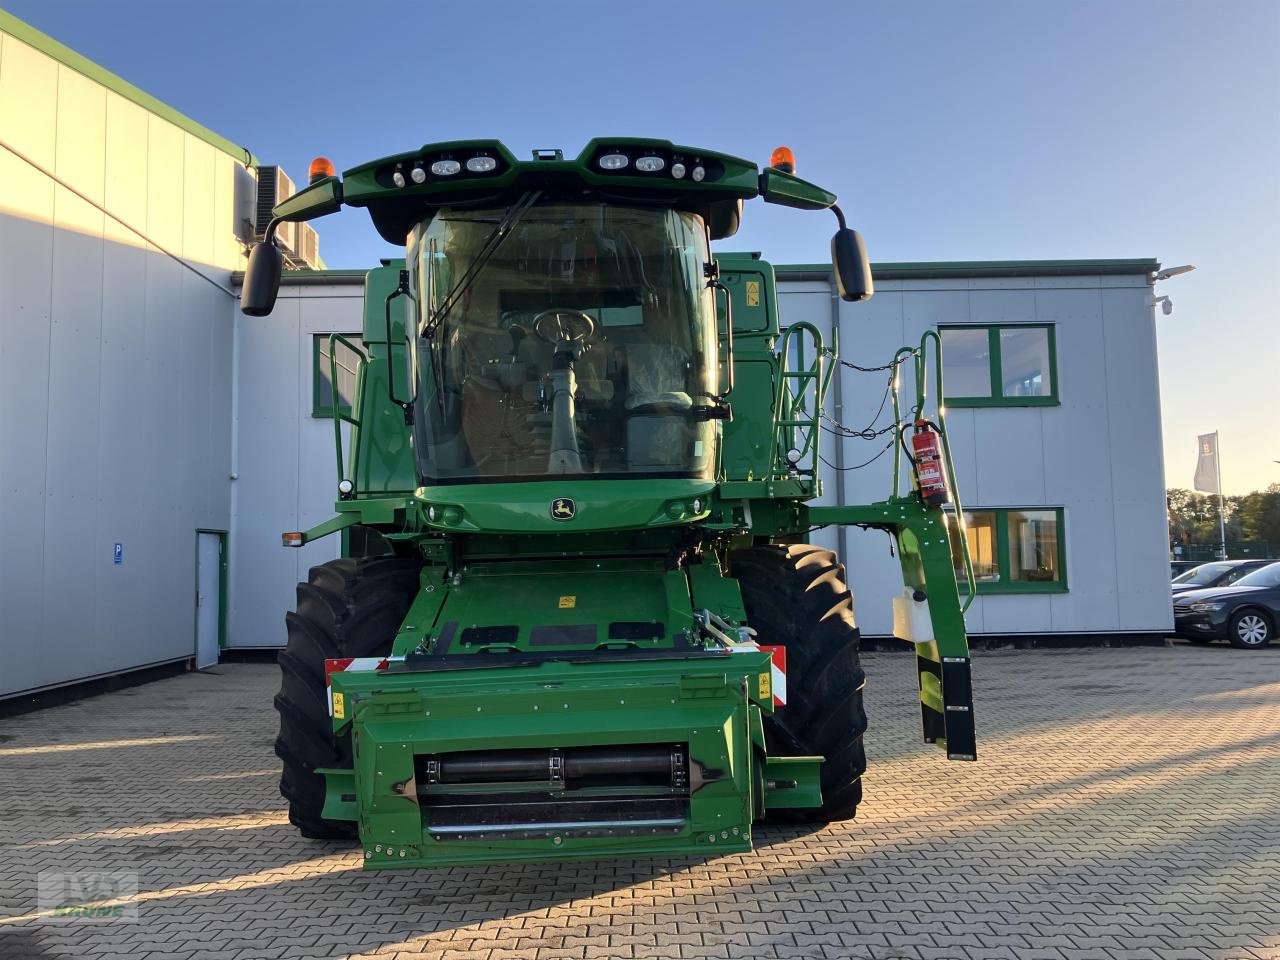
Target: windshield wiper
x: 490, y: 247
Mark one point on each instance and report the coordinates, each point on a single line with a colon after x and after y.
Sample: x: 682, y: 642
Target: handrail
x: 338, y: 416
x: 921, y: 370
x: 787, y: 404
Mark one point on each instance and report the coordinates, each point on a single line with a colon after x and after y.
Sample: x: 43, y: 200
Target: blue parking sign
x: 118, y: 557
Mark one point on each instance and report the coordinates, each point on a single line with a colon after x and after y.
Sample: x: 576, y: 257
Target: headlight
x: 650, y: 164
x: 481, y: 164
x: 1207, y: 606
x: 445, y: 168
x: 614, y: 161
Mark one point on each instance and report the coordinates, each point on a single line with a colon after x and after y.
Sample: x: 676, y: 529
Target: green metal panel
x: 396, y: 716
x: 963, y: 269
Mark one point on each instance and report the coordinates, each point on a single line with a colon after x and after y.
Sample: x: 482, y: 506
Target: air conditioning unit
x: 274, y: 186
x: 298, y: 241
x: 307, y: 246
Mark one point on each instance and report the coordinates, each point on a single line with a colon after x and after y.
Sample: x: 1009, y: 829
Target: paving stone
x: 1121, y: 808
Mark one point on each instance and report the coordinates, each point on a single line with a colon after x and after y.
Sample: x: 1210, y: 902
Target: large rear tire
x: 347, y: 608
x: 795, y: 595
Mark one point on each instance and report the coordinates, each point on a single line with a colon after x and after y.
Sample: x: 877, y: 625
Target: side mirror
x: 261, y: 279
x: 852, y: 268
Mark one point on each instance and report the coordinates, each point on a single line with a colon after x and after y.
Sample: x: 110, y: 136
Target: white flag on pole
x: 1207, y: 466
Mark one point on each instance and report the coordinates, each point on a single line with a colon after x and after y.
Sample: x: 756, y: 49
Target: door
x: 209, y: 583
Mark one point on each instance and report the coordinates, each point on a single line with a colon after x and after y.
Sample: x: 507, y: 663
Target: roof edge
x: 955, y: 269
x: 29, y: 35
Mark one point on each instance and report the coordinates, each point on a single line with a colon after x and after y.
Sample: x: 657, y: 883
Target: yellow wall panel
x: 80, y: 152
x: 198, y: 197
x: 28, y: 115
x: 126, y: 169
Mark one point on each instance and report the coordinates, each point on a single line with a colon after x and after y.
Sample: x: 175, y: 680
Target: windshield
x: 1268, y: 576
x: 585, y: 344
x: 1205, y: 573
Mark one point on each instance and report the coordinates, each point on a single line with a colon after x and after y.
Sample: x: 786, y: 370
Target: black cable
x: 884, y: 366
x: 859, y: 466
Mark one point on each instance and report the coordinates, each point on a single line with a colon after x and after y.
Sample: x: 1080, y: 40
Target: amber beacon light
x: 322, y: 167
x: 783, y: 159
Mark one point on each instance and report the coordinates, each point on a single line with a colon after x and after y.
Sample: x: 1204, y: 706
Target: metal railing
x: 799, y: 397
x: 920, y: 368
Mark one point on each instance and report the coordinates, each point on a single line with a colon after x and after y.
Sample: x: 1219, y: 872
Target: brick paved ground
x: 1127, y: 804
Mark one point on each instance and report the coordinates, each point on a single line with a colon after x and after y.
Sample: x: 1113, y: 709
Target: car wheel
x: 1250, y: 629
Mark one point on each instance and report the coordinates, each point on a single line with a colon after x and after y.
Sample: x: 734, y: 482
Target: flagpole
x: 1222, y: 516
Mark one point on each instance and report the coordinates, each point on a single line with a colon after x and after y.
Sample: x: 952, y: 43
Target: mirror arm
x: 835, y: 208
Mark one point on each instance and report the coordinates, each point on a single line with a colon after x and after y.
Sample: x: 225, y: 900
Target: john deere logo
x: 563, y: 509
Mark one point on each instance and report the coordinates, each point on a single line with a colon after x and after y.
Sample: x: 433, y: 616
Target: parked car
x: 1245, y: 613
x: 1218, y: 573
x: 1177, y: 567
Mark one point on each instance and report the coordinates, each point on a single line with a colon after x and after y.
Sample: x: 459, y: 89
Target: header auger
x: 583, y: 622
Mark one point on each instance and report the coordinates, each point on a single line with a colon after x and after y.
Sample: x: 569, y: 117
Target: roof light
x: 698, y: 174
x: 418, y: 175
x: 321, y: 167
x: 614, y: 161
x: 445, y: 168
x: 650, y: 164
x: 482, y: 164
x: 677, y: 170
x: 783, y: 159
x: 398, y: 179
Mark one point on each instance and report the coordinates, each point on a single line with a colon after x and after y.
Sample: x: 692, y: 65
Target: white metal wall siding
x: 114, y: 375
x: 1097, y: 455
x: 287, y: 477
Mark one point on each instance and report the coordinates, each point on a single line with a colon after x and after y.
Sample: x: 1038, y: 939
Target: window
x: 999, y: 366
x: 322, y: 389
x: 1013, y: 550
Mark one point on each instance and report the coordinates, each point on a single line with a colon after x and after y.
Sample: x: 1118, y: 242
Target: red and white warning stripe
x: 352, y: 665
x: 778, y: 669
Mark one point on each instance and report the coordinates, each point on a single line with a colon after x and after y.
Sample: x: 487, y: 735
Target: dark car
x: 1245, y: 613
x: 1179, y: 567
x: 1219, y: 573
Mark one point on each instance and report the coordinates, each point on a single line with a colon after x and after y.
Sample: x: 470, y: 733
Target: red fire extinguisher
x: 926, y: 450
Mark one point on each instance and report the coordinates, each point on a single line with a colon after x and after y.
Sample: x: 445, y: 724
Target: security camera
x: 1174, y: 272
x: 1166, y: 305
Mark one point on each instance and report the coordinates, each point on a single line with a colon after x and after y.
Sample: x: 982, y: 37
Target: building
x: 1053, y: 409
x: 156, y: 442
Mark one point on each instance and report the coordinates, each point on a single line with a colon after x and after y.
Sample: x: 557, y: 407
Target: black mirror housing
x: 261, y: 279
x: 851, y: 266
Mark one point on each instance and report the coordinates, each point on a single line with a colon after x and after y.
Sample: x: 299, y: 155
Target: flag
x: 1207, y: 467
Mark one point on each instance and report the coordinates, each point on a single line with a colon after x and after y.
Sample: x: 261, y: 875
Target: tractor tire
x: 347, y: 608
x: 795, y: 596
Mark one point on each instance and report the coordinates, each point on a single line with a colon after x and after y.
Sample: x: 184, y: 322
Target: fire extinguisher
x: 926, y: 451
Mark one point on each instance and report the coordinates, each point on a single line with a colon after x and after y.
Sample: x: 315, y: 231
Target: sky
x: 951, y: 131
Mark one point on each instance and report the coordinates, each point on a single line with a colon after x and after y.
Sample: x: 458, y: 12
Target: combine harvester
x: 586, y: 452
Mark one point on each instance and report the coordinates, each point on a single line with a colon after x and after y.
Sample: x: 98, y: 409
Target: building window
x: 999, y: 366
x: 322, y: 388
x: 1013, y: 550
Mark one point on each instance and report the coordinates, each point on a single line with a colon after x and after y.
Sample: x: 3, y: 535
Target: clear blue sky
x: 952, y: 131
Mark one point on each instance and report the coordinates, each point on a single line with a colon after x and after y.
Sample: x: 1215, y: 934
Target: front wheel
x: 1250, y: 629
x: 347, y: 608
x: 795, y: 596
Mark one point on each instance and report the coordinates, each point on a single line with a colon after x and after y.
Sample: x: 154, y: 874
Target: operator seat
x: 657, y: 407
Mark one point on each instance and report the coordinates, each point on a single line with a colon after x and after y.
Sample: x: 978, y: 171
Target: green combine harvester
x: 584, y: 621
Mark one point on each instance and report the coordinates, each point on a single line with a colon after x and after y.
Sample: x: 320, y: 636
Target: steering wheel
x: 570, y: 326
